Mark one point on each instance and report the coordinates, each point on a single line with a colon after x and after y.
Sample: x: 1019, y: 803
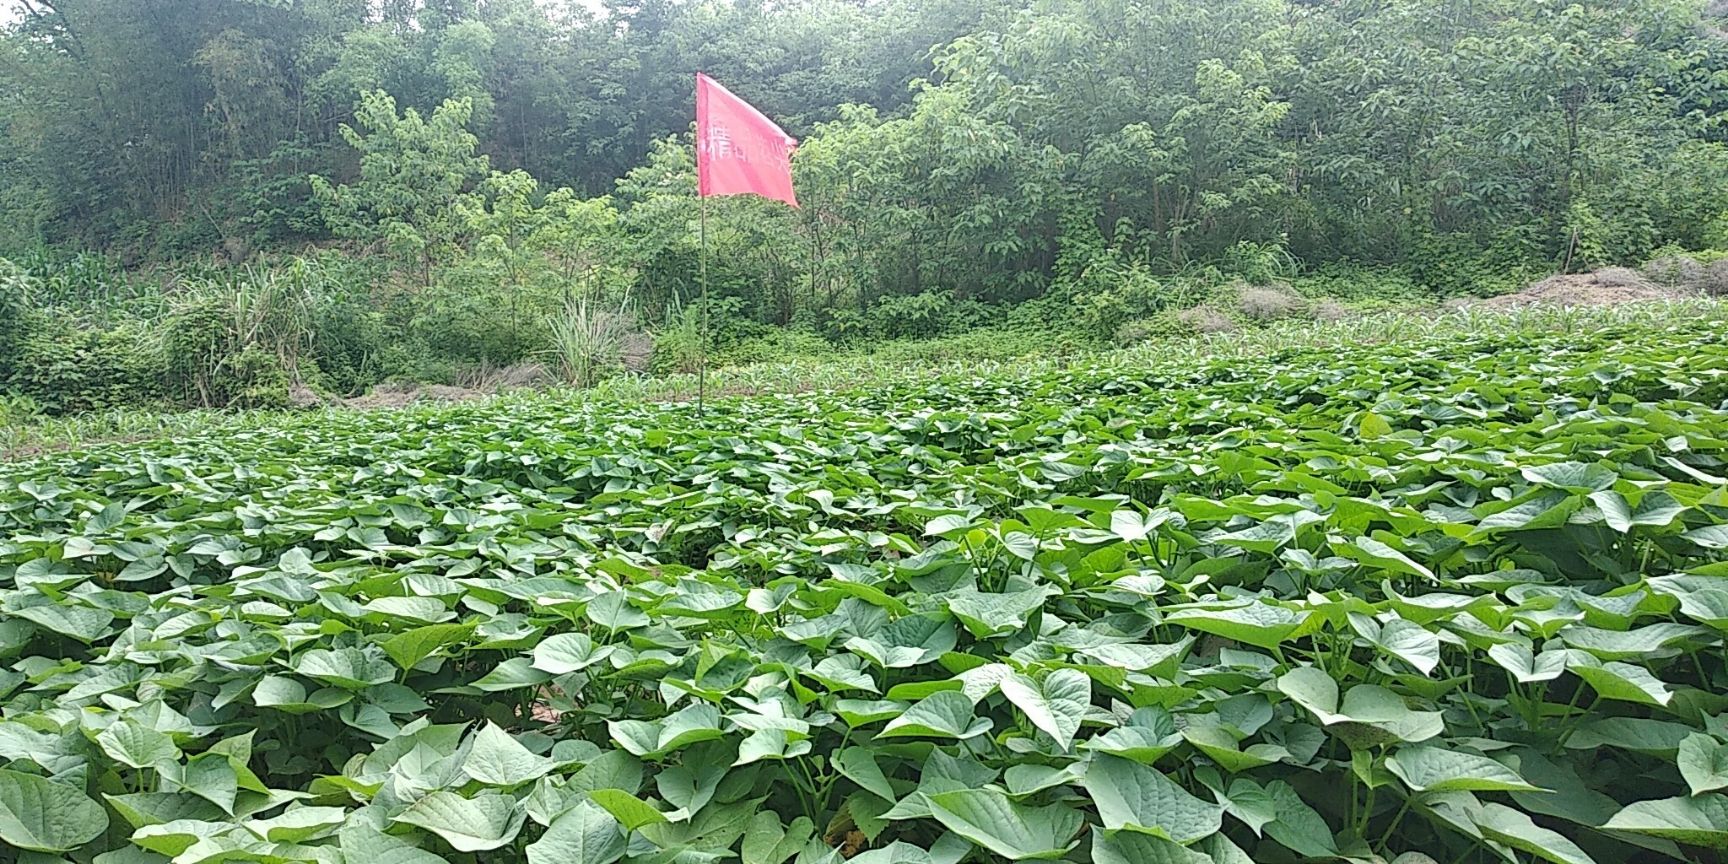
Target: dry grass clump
x: 1620, y: 277
x: 1715, y: 279
x: 1330, y: 310
x: 1204, y: 320
x: 1675, y: 271
x: 1268, y: 304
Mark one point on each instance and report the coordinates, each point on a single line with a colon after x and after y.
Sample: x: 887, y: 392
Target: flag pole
x: 702, y: 257
x: 702, y: 370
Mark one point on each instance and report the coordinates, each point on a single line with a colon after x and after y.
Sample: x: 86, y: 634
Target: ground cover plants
x: 1445, y: 599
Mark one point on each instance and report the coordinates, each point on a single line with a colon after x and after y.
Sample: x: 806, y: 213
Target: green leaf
x: 44, y: 816
x: 174, y: 838
x: 1432, y: 769
x: 1525, y: 666
x: 410, y: 647
x: 1055, y: 705
x: 690, y: 725
x: 1370, y: 715
x: 1018, y: 833
x: 78, y: 622
x: 137, y: 746
x: 1128, y: 847
x: 513, y: 674
x: 1406, y: 640
x: 1260, y: 624
x: 1296, y: 825
x: 286, y: 694
x: 1713, y: 537
x: 766, y: 841
x: 364, y: 844
x: 348, y: 668
x: 1572, y: 476
x: 496, y: 758
x: 945, y: 714
x: 585, y: 834
x: 629, y: 810
x: 1370, y: 551
x: 1134, y: 797
x: 859, y: 765
x: 988, y: 615
x: 1372, y: 426
x: 568, y: 652
x: 487, y: 821
x: 1622, y: 681
x: 1513, y: 828
x: 299, y: 824
x: 1698, y: 821
x: 1703, y: 763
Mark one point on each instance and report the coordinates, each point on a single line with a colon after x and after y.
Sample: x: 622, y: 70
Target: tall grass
x: 589, y: 339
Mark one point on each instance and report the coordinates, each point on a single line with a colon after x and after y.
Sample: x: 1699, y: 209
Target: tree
x: 414, y: 178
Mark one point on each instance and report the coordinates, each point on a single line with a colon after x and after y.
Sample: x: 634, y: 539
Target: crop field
x: 1460, y: 599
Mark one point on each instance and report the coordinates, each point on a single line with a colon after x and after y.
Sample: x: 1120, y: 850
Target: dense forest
x: 204, y: 199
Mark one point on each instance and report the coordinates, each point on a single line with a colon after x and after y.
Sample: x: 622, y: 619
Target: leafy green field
x: 1452, y: 599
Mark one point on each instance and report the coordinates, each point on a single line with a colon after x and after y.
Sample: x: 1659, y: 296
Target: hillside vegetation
x: 233, y: 203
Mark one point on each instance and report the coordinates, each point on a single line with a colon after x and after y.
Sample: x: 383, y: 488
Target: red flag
x: 738, y: 150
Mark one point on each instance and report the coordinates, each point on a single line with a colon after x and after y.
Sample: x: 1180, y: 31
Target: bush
x: 917, y: 316
x: 677, y: 346
x: 1260, y: 263
x: 66, y: 368
x: 19, y: 410
x: 777, y: 346
x: 1330, y: 310
x: 254, y: 378
x: 15, y: 286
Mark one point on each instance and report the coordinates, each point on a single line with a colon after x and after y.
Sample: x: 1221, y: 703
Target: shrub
x: 15, y: 286
x: 918, y: 316
x: 18, y: 410
x: 777, y: 346
x: 67, y: 368
x: 1260, y: 263
x: 677, y: 346
x: 254, y: 378
x: 1140, y: 330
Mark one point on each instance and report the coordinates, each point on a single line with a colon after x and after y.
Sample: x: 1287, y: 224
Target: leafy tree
x: 415, y: 175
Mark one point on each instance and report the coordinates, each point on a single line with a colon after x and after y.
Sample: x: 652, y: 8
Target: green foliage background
x: 460, y: 172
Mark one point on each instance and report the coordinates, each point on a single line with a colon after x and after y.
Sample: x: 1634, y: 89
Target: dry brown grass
x: 1204, y: 320
x: 1268, y: 304
x: 1330, y: 311
x: 1715, y: 279
x: 1675, y: 271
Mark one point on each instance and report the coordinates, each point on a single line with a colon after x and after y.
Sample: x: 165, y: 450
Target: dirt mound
x: 401, y: 395
x: 1610, y: 287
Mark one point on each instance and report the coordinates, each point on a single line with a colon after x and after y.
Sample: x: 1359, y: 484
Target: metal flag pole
x: 702, y: 370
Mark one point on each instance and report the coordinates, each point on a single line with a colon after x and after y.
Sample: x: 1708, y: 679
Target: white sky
x: 11, y: 10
